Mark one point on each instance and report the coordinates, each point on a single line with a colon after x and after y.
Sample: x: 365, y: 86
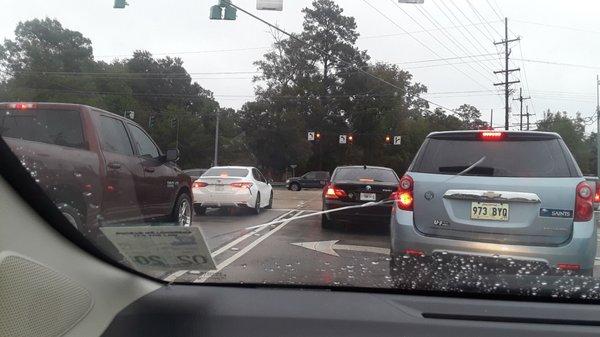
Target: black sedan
x: 355, y: 185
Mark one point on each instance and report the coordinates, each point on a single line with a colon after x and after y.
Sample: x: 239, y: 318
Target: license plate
x: 489, y: 211
x: 368, y: 196
x: 219, y: 188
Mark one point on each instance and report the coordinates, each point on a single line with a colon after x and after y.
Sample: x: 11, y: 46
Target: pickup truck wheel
x: 295, y: 187
x: 71, y: 214
x: 182, y: 213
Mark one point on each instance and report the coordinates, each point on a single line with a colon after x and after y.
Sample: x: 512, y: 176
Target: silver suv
x: 512, y: 195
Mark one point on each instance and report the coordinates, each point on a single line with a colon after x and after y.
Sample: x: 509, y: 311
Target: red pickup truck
x: 99, y: 168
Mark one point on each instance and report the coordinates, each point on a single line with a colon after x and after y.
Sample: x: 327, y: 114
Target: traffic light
x: 151, y: 121
x: 215, y: 12
x: 317, y: 136
x: 173, y: 122
x: 230, y: 13
x: 350, y: 139
x: 120, y: 4
x: 388, y: 139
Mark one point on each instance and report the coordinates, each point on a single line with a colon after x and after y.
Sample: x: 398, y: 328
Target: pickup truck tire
x: 199, y: 210
x: 295, y: 187
x: 71, y: 214
x: 182, y: 212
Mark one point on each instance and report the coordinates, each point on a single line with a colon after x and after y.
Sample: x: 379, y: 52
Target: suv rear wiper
x: 471, y: 167
x: 485, y: 170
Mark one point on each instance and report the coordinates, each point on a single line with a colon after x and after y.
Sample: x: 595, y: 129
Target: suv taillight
x: 404, y: 195
x: 597, y: 194
x: 584, y: 197
x: 332, y: 192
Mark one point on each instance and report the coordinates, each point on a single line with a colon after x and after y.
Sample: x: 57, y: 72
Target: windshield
x: 460, y: 137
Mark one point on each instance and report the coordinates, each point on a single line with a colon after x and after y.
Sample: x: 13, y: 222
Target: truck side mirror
x: 172, y: 155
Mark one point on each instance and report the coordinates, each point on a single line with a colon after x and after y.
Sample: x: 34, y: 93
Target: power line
x: 190, y: 52
x: 322, y: 52
x: 557, y: 27
x: 419, y: 41
x: 441, y: 43
x: 419, y: 31
x: 525, y: 77
x: 481, y: 17
x: 450, y: 37
x: 469, y: 19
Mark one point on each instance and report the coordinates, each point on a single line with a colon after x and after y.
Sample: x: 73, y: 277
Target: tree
x: 471, y: 117
x: 572, y: 131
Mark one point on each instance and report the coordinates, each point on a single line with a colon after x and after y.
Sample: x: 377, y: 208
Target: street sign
x: 269, y: 5
x: 397, y: 140
x: 342, y: 139
x: 311, y: 136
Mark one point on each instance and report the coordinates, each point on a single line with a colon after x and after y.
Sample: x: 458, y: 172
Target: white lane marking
x: 239, y: 254
x: 297, y: 216
x: 172, y: 277
x: 244, y: 237
x: 329, y: 247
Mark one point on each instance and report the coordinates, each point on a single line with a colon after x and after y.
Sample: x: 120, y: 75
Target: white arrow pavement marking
x: 329, y: 247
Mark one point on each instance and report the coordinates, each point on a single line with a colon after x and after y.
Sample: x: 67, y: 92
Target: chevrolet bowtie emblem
x: 491, y: 195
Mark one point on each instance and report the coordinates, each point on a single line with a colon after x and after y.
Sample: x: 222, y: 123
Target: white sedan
x: 232, y: 186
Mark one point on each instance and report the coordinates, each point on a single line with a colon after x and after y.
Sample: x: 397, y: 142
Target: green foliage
x: 572, y: 130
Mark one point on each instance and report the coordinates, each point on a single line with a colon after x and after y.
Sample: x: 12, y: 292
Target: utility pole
x: 527, y: 114
x: 506, y: 71
x: 520, y: 99
x: 216, y: 141
x: 492, y: 119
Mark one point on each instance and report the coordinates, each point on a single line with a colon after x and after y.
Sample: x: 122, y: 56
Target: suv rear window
x: 57, y: 127
x: 527, y: 158
x: 226, y: 172
x: 365, y: 175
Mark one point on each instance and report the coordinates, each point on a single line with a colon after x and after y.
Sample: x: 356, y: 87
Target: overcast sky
x: 554, y: 34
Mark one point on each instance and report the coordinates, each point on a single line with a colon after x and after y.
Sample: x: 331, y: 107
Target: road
x: 293, y: 251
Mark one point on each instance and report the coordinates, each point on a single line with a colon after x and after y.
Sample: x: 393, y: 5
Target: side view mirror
x: 172, y: 155
x: 270, y: 181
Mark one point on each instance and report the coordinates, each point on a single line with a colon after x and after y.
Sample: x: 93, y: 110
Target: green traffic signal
x: 120, y: 4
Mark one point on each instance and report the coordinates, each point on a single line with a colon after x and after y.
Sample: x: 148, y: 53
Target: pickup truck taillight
x: 584, y: 197
x: 404, y: 195
x: 332, y: 192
